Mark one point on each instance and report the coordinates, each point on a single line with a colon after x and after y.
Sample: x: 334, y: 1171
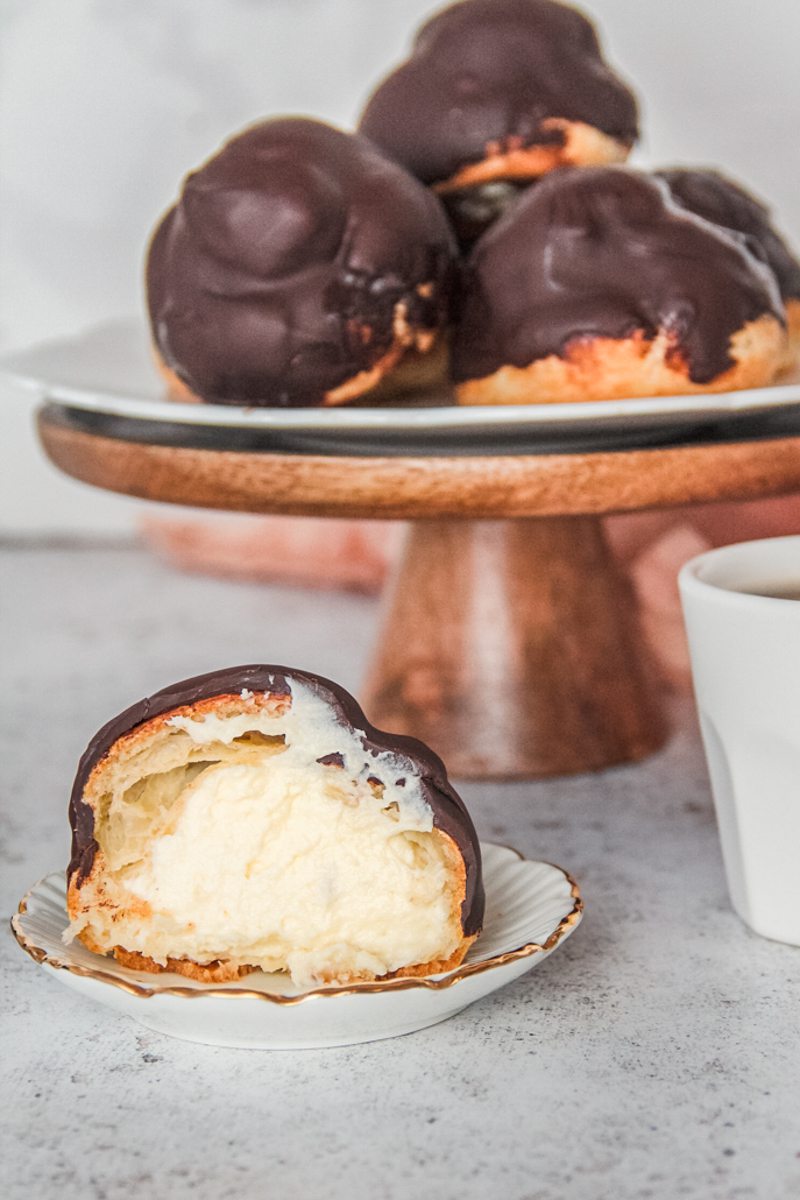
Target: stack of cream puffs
x: 479, y: 232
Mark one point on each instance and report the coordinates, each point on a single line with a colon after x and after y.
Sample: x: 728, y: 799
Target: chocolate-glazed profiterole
x: 717, y: 198
x: 597, y: 285
x: 300, y: 266
x: 495, y: 94
x: 252, y: 818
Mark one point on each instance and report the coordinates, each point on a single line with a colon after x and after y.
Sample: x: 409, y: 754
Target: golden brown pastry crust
x: 414, y: 371
x: 583, y: 146
x: 176, y: 388
x: 793, y: 326
x: 611, y: 369
x: 416, y: 359
x: 223, y: 972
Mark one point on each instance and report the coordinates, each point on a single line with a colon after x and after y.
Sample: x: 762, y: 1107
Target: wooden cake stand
x: 510, y: 640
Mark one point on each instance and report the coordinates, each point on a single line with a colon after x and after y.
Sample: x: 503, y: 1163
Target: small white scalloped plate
x: 531, y: 908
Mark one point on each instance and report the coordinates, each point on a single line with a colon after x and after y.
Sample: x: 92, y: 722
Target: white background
x: 104, y: 104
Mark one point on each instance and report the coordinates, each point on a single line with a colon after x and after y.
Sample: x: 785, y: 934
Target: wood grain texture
x: 510, y: 646
x: 513, y: 649
x: 477, y: 486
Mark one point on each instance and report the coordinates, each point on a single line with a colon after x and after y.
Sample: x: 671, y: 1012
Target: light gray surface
x: 656, y: 1055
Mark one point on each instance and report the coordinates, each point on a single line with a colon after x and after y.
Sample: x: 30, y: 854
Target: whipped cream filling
x: 252, y: 851
x: 311, y: 731
x: 287, y: 867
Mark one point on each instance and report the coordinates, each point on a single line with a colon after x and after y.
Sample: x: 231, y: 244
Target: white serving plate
x: 531, y: 908
x: 109, y: 371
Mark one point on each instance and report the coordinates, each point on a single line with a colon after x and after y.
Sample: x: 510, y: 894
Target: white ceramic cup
x: 745, y: 652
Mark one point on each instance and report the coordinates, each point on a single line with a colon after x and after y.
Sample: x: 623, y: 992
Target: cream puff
x: 300, y: 266
x: 597, y: 285
x: 712, y: 195
x: 251, y: 819
x: 495, y: 94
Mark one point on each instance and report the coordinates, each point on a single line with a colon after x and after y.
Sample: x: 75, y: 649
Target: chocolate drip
x: 491, y: 72
x: 605, y: 252
x: 717, y: 198
x: 449, y: 813
x: 334, y: 759
x: 284, y: 267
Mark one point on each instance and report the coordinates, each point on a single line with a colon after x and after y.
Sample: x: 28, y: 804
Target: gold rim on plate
x: 395, y: 985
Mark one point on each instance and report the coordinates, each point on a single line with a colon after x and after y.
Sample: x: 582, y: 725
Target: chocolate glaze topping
x: 717, y: 198
x: 449, y: 813
x: 277, y: 275
x: 486, y: 71
x: 605, y: 252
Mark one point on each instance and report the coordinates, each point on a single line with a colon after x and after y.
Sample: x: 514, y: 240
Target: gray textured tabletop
x: 656, y: 1055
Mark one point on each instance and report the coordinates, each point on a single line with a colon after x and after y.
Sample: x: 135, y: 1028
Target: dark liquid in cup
x: 781, y: 591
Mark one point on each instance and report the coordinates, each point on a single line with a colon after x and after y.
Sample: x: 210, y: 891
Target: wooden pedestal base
x: 512, y: 648
x: 510, y: 640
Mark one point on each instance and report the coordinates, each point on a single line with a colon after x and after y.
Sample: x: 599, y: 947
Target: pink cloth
x: 654, y: 547
x: 320, y: 553
x: 357, y: 555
